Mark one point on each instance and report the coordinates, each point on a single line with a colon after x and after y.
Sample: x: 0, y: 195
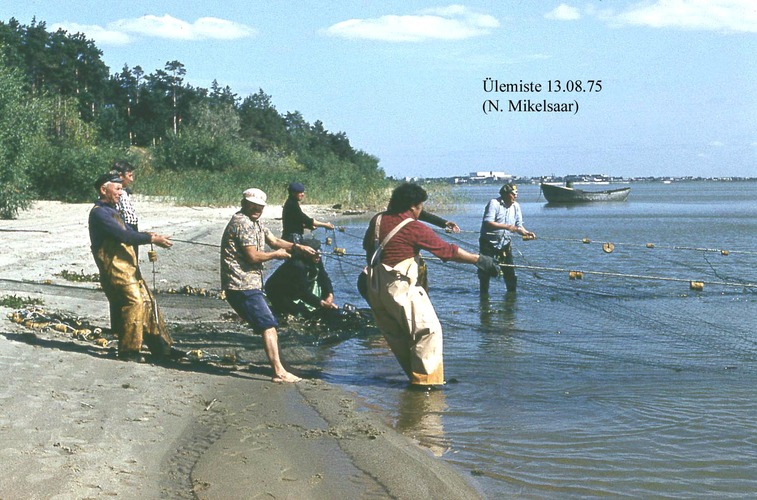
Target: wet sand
x: 77, y: 423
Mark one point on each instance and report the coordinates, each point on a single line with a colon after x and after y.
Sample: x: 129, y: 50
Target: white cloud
x: 101, y: 36
x: 564, y: 12
x: 123, y: 31
x: 717, y: 144
x: 454, y: 22
x: 713, y: 15
x: 176, y: 29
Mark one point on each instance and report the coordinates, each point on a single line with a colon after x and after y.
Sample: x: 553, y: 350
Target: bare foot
x: 286, y: 377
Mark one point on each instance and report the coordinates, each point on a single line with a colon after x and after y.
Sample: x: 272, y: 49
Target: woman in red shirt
x: 401, y: 307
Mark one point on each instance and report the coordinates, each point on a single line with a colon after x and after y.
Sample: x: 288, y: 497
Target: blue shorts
x: 252, y: 307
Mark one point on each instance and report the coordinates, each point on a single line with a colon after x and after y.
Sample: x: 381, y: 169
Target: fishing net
x: 627, y: 291
x: 669, y: 307
x: 186, y: 282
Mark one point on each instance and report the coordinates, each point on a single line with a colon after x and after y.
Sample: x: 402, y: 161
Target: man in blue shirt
x: 502, y: 218
x: 134, y: 314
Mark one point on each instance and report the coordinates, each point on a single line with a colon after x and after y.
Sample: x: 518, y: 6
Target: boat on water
x: 568, y: 194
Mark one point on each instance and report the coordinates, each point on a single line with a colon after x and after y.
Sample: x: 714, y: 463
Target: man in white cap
x: 243, y: 255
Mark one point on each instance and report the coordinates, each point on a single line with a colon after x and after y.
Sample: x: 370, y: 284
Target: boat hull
x: 562, y: 194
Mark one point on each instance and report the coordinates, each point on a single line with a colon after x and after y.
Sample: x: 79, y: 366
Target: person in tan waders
x: 401, y: 306
x: 134, y: 314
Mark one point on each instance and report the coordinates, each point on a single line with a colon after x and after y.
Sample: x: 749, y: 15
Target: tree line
x: 64, y: 118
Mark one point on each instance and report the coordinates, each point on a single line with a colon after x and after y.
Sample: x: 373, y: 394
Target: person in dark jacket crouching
x: 301, y: 286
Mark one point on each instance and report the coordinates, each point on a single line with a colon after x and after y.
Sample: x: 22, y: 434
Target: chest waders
x: 405, y: 316
x: 134, y: 314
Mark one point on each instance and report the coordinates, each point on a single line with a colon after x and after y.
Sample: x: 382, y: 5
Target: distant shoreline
x: 462, y: 180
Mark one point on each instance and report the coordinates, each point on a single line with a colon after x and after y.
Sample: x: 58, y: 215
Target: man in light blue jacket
x: 502, y: 218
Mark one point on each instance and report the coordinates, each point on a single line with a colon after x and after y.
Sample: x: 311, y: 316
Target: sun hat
x: 256, y: 196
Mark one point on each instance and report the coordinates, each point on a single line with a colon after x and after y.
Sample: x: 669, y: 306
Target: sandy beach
x: 77, y: 423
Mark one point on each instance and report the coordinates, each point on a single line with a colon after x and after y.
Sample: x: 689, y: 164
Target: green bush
x: 195, y: 149
x: 193, y: 186
x: 67, y: 173
x: 21, y: 133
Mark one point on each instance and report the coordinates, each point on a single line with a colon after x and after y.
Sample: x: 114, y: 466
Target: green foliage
x: 217, y: 118
x: 266, y: 171
x: 80, y: 277
x: 197, y: 149
x: 21, y: 133
x: 261, y: 125
x: 441, y: 196
x: 63, y: 120
x: 17, y: 302
x: 66, y: 173
x: 271, y: 172
x: 56, y: 63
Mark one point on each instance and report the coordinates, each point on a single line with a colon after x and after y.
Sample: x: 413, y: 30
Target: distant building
x: 490, y: 175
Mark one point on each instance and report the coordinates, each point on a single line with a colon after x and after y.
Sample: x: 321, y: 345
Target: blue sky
x: 405, y: 80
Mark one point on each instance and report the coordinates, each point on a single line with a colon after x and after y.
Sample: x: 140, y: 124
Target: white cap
x: 256, y: 196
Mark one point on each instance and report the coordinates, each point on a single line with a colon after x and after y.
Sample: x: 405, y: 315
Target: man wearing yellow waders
x: 134, y: 315
x: 402, y: 309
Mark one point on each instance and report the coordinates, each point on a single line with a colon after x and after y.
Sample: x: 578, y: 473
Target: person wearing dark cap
x: 243, y: 258
x: 134, y: 314
x: 125, y: 204
x: 293, y: 220
x: 502, y: 218
x: 301, y: 286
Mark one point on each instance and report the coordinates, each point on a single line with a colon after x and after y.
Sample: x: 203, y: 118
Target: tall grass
x: 270, y: 172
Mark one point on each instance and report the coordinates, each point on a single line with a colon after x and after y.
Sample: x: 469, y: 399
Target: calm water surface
x: 605, y: 386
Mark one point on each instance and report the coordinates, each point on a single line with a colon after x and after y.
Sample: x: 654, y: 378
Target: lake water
x: 614, y: 386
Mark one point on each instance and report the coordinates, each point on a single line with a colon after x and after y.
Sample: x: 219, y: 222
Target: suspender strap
x: 377, y: 253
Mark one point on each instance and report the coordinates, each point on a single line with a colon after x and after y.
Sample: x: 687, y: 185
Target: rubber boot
x: 511, y: 283
x: 483, y: 283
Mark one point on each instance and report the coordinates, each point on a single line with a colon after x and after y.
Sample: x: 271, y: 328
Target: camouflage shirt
x: 237, y: 273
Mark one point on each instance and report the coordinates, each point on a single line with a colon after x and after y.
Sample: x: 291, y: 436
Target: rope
x: 633, y: 276
x: 646, y: 245
x: 576, y: 273
x: 214, y: 245
x: 153, y: 258
x: 652, y: 246
x: 4, y: 230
